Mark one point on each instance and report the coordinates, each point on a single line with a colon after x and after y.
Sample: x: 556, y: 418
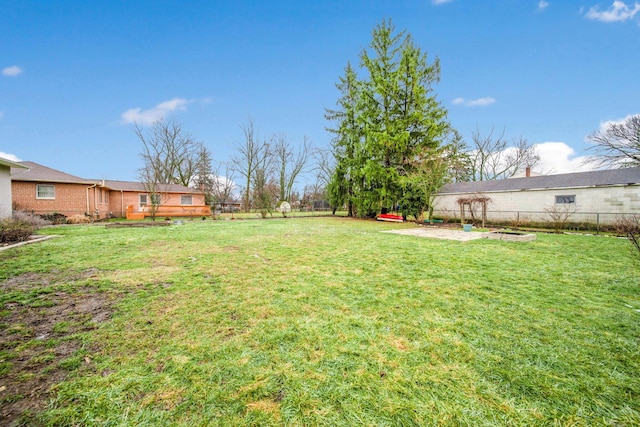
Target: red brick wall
x: 99, y: 202
x: 70, y: 199
x: 116, y: 207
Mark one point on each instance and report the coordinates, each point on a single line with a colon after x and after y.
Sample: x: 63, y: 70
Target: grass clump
x: 330, y: 322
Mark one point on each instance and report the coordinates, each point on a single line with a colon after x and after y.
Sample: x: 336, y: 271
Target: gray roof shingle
x: 40, y: 173
x: 37, y: 172
x: 139, y: 186
x: 625, y: 176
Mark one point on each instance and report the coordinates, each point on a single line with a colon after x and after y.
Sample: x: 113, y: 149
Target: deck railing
x: 169, y: 211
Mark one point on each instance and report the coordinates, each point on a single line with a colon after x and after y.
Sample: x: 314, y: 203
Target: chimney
x: 527, y: 172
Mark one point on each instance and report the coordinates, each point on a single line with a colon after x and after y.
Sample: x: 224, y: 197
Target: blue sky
x: 74, y: 75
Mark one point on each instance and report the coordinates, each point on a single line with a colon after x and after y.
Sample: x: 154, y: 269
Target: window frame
x: 53, y: 192
x: 182, y: 199
x: 146, y: 199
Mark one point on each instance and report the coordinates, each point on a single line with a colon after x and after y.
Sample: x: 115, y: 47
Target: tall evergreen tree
x: 204, y: 179
x: 347, y: 143
x: 390, y: 121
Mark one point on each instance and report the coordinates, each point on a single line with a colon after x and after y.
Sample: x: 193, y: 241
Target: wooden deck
x: 170, y: 211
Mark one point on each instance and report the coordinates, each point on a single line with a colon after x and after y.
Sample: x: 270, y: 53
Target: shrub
x: 559, y: 215
x: 30, y: 218
x: 55, y: 218
x: 78, y: 219
x: 629, y: 227
x: 14, y: 230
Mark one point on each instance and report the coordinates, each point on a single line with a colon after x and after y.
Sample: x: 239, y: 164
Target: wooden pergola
x: 470, y: 203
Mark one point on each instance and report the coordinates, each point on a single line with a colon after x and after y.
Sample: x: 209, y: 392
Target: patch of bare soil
x: 39, y: 343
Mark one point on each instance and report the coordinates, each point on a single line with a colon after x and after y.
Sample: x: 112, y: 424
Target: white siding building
x: 6, y: 204
x: 596, y: 196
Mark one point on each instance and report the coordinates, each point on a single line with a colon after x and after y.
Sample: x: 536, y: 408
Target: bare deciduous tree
x: 224, y: 184
x: 493, y: 158
x: 155, y: 189
x: 289, y: 164
x: 324, y: 166
x: 169, y: 153
x: 618, y: 145
x: 264, y: 187
x: 249, y: 155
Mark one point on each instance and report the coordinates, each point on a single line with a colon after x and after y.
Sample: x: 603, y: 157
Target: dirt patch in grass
x: 41, y: 322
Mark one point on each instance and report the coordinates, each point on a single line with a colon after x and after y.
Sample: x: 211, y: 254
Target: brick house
x: 43, y: 190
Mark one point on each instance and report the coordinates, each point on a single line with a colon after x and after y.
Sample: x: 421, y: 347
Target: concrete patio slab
x: 440, y: 233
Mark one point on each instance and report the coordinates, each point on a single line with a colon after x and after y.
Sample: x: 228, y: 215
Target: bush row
x: 14, y: 230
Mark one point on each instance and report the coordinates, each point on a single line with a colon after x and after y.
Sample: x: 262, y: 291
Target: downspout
x: 89, y: 210
x: 122, y: 212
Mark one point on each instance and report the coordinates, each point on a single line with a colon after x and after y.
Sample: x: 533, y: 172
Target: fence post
x: 597, y: 223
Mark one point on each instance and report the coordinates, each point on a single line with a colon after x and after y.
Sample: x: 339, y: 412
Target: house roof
x: 610, y: 177
x: 11, y: 163
x: 139, y: 186
x: 39, y: 173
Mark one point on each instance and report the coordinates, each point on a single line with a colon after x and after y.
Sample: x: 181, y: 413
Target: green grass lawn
x: 328, y: 322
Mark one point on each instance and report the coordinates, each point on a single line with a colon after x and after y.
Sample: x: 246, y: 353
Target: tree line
x: 392, y: 149
x: 262, y: 171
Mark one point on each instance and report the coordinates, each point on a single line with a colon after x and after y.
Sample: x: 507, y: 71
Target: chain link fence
x: 551, y: 218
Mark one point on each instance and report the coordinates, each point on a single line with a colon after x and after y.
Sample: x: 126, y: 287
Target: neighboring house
x: 43, y: 190
x: 6, y: 199
x: 596, y: 196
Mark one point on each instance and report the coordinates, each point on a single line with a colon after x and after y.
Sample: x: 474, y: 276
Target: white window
x: 45, y: 191
x: 144, y: 201
x: 566, y: 199
x: 186, y: 199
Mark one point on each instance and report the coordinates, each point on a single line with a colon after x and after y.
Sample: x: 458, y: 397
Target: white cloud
x: 440, y: 1
x: 13, y: 71
x: 542, y: 5
x: 11, y: 157
x: 480, y: 102
x: 160, y: 111
x: 606, y: 124
x: 619, y: 11
x: 558, y: 157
